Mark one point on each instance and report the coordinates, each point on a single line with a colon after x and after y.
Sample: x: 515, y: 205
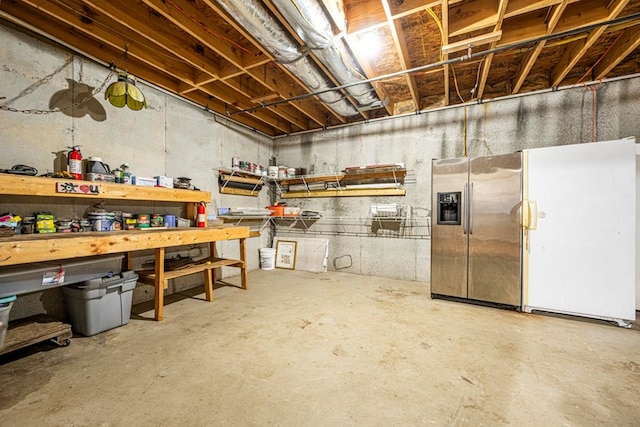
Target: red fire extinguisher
x: 201, y: 214
x: 75, y: 162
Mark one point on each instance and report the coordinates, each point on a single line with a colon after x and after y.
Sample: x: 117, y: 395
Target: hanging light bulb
x: 125, y: 92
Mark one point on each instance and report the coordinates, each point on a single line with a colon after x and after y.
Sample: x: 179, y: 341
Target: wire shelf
x: 389, y: 226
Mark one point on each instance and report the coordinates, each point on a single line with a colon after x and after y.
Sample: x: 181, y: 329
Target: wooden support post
x: 159, y: 283
x: 128, y: 260
x: 208, y: 284
x: 243, y: 257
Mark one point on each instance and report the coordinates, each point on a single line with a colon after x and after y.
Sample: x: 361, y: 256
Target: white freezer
x: 581, y: 251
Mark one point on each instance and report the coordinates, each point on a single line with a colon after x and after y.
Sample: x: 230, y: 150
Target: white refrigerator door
x: 581, y: 256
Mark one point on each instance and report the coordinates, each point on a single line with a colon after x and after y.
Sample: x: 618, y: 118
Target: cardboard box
x: 143, y: 182
x: 291, y: 211
x: 164, y: 181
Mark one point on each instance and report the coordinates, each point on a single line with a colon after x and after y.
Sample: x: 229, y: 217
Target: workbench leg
x: 213, y: 253
x: 243, y: 257
x: 208, y: 284
x: 159, y: 283
x: 128, y: 261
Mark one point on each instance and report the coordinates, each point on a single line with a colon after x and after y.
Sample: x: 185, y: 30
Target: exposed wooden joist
x: 472, y: 16
x: 90, y: 23
x: 238, y: 100
x: 486, y: 66
x: 520, y: 7
x: 152, y: 30
x: 365, y: 16
x: 628, y: 42
x: 577, y: 49
x: 238, y: 60
x: 275, y: 83
x: 479, y: 40
x: 445, y: 56
x: 70, y: 36
x: 399, y: 40
x: 145, y: 54
x: 533, y: 55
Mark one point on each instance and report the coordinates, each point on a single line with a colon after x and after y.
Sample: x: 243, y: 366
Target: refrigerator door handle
x: 464, y: 208
x: 471, y: 208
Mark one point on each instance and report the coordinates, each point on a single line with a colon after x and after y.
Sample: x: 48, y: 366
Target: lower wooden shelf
x: 149, y: 276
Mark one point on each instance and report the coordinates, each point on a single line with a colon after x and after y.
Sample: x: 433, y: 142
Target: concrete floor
x: 300, y: 348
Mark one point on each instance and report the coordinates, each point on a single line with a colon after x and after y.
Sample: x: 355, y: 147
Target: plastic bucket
x: 267, y: 258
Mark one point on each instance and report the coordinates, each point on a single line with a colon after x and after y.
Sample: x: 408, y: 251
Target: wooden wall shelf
x: 397, y: 174
x: 363, y: 182
x: 353, y: 192
x: 19, y: 185
x: 227, y: 177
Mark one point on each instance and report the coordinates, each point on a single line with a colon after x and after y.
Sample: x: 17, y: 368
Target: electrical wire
x: 455, y: 83
x: 593, y: 89
x: 439, y: 24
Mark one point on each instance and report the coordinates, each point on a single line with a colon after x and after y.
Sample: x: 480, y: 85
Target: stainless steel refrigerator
x: 476, y: 229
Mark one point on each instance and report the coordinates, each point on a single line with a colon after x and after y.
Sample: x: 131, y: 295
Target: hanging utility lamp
x: 125, y: 92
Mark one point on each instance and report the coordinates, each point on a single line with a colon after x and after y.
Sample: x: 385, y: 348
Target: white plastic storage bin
x: 100, y: 304
x: 5, y: 310
x: 38, y: 276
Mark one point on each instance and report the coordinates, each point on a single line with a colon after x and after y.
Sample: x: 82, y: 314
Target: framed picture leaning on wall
x: 286, y: 254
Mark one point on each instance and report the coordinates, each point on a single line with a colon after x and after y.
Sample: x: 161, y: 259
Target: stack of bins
x: 100, y: 304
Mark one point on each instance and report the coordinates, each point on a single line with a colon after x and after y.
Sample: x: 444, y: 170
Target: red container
x: 276, y: 210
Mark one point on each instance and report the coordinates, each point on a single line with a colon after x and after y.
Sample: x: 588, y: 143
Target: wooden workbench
x: 24, y: 249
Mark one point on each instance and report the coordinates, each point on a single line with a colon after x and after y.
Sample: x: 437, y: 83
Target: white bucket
x: 272, y: 171
x: 267, y: 258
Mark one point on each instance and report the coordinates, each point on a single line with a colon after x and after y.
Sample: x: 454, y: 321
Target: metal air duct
x: 309, y: 20
x: 253, y: 16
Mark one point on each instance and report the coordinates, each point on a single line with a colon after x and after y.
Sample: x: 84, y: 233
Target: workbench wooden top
x: 26, y: 248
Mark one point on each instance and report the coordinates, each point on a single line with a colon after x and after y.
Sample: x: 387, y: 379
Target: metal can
x: 156, y: 220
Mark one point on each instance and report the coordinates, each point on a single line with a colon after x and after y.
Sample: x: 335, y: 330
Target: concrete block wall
x: 503, y: 126
x: 171, y: 137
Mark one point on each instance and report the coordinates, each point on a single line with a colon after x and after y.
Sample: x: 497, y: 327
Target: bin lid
x: 7, y: 300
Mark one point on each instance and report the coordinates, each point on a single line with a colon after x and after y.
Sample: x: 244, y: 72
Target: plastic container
x: 272, y: 171
x: 276, y: 210
x: 100, y: 304
x: 38, y: 276
x: 267, y: 258
x: 5, y: 310
x: 170, y: 221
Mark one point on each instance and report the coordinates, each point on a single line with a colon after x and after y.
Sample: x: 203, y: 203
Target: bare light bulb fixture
x: 125, y: 92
